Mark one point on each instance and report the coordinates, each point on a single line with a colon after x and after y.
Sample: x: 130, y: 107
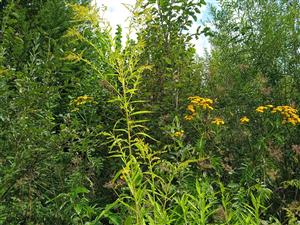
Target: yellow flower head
x: 179, y: 133
x: 244, y: 120
x: 207, y: 106
x: 294, y: 121
x: 189, y: 117
x: 218, y: 121
x: 81, y: 100
x: 288, y: 113
x: 285, y: 109
x: 191, y: 108
x: 197, y: 102
x: 261, y: 109
x: 204, y: 103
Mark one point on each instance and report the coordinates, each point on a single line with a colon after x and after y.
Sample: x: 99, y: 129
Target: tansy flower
x: 179, y: 133
x: 218, y: 121
x: 197, y: 102
x: 285, y: 109
x: 189, y: 117
x: 191, y: 108
x: 244, y: 120
x: 204, y: 103
x: 261, y: 109
x: 288, y: 113
x: 81, y: 100
x: 207, y: 106
x: 294, y: 121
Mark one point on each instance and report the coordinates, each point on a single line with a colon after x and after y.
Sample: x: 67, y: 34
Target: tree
x: 44, y: 146
x: 168, y: 49
x: 254, y: 61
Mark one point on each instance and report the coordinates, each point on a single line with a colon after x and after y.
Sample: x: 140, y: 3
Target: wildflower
x: 244, y: 120
x: 191, y: 108
x: 81, y: 100
x: 207, y: 106
x: 189, y: 117
x: 288, y: 113
x: 198, y: 102
x: 179, y: 133
x: 294, y: 121
x: 218, y: 121
x: 285, y: 108
x: 261, y: 109
x: 204, y: 103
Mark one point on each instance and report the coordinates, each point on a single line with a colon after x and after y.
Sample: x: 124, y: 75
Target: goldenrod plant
x: 100, y: 128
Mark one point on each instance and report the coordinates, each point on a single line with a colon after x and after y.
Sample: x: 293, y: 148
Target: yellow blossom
x: 191, y: 108
x: 189, y: 117
x: 218, y: 121
x: 204, y: 103
x: 261, y: 109
x: 197, y: 102
x: 179, y: 133
x: 81, y: 100
x: 294, y: 121
x: 244, y: 120
x: 207, y: 106
x: 288, y: 113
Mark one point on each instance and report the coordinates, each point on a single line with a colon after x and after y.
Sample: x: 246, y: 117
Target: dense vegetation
x: 96, y: 130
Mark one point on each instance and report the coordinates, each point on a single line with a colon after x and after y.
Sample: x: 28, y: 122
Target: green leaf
x: 114, y: 219
x: 78, y: 209
x: 81, y: 190
x: 141, y: 112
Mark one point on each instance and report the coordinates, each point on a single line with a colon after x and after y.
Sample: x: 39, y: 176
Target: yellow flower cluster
x: 244, y: 120
x: 179, y: 133
x: 218, y: 121
x: 262, y: 109
x: 188, y: 117
x: 81, y: 100
x: 204, y: 103
x: 198, y: 102
x: 288, y: 113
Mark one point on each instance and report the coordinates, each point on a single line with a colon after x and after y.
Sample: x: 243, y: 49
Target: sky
x: 116, y: 13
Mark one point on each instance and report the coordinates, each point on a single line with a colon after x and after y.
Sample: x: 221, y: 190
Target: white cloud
x: 117, y: 14
x: 203, y: 45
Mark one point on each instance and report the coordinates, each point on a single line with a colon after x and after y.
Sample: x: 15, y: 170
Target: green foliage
x: 43, y: 143
x: 95, y: 130
x: 169, y: 51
